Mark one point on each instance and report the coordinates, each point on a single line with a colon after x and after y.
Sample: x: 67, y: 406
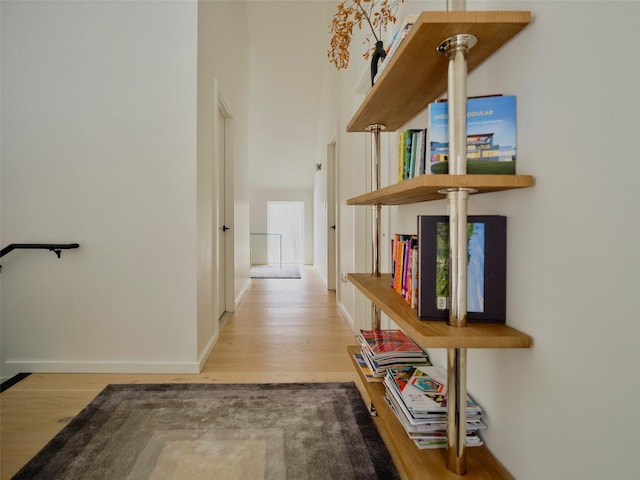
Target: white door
x: 285, y: 222
x: 220, y: 202
x: 224, y: 273
x: 332, y: 219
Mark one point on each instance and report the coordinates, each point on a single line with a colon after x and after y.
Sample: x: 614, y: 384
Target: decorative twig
x: 376, y: 13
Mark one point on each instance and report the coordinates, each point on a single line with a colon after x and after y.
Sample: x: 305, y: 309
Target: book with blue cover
x: 491, y: 136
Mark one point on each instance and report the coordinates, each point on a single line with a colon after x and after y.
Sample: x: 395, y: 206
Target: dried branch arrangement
x: 374, y: 14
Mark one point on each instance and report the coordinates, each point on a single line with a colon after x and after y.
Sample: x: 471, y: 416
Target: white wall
x: 327, y: 139
x: 566, y: 407
x: 98, y: 147
x: 320, y: 213
x: 569, y: 236
x: 287, y: 57
x: 258, y: 214
x: 104, y: 133
x: 222, y: 72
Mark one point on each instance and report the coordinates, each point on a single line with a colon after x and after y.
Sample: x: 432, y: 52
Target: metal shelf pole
x: 456, y: 49
x: 376, y: 317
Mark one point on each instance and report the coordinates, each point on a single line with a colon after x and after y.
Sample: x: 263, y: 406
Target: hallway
x: 283, y: 331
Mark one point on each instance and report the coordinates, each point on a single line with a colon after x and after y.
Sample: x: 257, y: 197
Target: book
x: 401, y: 142
x: 422, y: 155
x: 406, y: 160
x: 389, y: 343
x: 491, y: 135
x: 417, y: 396
x: 414, y: 275
x: 425, y: 424
x: 379, y: 367
x: 486, y: 268
x: 398, y: 37
x: 367, y: 373
x: 418, y: 402
x: 382, y: 349
x: 404, y: 259
x: 412, y: 152
x: 417, y: 153
x: 440, y: 441
x: 406, y: 266
x: 398, y: 243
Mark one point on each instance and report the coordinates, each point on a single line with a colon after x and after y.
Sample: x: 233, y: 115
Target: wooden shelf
x: 417, y: 73
x: 431, y: 333
x: 426, y: 464
x: 426, y: 187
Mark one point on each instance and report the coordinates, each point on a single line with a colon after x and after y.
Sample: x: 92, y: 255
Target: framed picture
x: 486, y: 268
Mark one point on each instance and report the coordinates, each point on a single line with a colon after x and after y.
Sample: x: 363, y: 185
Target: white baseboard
x: 212, y: 343
x: 242, y: 293
x: 347, y: 316
x: 13, y: 367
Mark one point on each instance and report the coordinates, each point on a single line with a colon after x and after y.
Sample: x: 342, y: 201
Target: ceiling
x: 288, y: 45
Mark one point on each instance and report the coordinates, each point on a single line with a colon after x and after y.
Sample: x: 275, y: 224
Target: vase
x: 377, y: 57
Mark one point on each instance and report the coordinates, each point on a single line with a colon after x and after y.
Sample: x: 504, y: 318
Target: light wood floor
x: 283, y: 331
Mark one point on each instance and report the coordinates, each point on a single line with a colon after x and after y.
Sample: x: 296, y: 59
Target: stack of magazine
x: 382, y: 349
x: 418, y: 397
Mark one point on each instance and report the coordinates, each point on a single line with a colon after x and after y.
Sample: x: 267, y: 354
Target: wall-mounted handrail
x: 53, y: 247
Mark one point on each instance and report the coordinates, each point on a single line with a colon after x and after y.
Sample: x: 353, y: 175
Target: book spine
x: 405, y: 273
x: 407, y: 155
x: 423, y: 152
x: 414, y: 153
x: 398, y: 267
x: 401, y: 140
x: 414, y: 275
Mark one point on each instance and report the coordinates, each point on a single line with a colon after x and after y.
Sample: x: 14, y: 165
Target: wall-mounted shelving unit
x: 441, y: 48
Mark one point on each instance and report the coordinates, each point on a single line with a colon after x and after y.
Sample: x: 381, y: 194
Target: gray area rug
x: 312, y: 431
x: 275, y: 271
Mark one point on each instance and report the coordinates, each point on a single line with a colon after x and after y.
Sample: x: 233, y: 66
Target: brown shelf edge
x: 427, y: 464
x: 427, y: 187
x: 432, y: 333
x: 416, y: 74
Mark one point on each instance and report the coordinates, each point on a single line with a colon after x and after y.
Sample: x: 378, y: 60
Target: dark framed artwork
x: 486, y: 268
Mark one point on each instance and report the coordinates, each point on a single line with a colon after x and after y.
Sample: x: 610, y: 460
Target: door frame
x: 332, y: 215
x: 220, y: 105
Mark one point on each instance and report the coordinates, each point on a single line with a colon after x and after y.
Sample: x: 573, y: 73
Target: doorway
x: 223, y: 269
x: 286, y: 220
x: 332, y: 218
x: 222, y: 228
